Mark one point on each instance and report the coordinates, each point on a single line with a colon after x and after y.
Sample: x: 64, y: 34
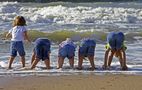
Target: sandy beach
x: 72, y: 82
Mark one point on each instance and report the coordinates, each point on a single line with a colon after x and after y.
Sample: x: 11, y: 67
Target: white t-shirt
x: 17, y: 33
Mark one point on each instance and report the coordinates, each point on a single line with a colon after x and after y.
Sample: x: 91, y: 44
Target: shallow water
x: 133, y: 61
x: 78, y: 17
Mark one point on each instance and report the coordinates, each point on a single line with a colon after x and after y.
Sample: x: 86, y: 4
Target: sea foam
x: 59, y: 15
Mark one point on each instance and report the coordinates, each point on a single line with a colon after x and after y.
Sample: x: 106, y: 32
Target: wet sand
x: 72, y: 82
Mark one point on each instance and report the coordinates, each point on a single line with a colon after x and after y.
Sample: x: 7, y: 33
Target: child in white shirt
x: 19, y: 34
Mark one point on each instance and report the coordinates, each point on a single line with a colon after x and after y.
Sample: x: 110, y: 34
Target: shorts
x: 67, y: 51
x: 87, y: 48
x: 17, y: 46
x: 42, y: 49
x: 115, y: 40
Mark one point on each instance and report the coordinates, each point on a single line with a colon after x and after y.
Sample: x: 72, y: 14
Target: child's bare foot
x: 79, y: 68
x: 59, y: 68
x: 124, y: 68
x: 92, y: 68
x: 106, y: 67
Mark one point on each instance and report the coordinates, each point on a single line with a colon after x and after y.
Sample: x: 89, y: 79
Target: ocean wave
x: 58, y: 36
x: 100, y: 16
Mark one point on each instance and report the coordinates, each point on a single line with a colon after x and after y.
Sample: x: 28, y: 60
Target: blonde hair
x: 19, y: 21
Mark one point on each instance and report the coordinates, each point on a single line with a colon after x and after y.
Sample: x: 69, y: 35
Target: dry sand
x: 72, y: 82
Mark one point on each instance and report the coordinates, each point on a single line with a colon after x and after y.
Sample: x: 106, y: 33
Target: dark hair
x: 19, y: 21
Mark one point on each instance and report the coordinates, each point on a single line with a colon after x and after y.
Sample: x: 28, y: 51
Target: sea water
x: 78, y: 17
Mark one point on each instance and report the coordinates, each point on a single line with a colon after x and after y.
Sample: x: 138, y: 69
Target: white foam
x: 76, y: 17
x: 73, y: 15
x: 3, y: 64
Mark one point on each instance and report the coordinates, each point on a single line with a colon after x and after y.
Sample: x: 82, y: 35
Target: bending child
x: 66, y: 49
x: 87, y: 49
x: 19, y: 33
x: 115, y: 47
x: 41, y: 51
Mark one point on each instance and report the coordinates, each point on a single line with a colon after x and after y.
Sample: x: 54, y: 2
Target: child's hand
x: 124, y: 68
x: 8, y: 35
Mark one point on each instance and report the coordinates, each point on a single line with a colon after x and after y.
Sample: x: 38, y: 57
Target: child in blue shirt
x: 87, y: 49
x: 66, y: 49
x: 41, y: 51
x: 115, y: 47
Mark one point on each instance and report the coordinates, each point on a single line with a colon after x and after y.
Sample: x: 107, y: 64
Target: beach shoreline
x: 72, y: 82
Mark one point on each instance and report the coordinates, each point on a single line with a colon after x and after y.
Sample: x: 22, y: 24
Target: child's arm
x: 124, y: 65
x: 33, y: 57
x: 26, y: 36
x: 106, y: 59
x: 7, y: 36
x: 106, y: 56
x: 124, y: 56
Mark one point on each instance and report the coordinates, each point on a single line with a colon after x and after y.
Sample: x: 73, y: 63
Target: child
x: 115, y: 47
x: 87, y: 49
x: 19, y: 34
x: 41, y: 51
x: 66, y: 49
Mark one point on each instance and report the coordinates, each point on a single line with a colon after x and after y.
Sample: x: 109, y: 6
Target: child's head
x: 19, y: 21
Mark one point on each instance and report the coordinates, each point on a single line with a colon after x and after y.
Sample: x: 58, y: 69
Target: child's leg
x: 106, y: 59
x: 60, y: 62
x: 119, y: 55
x: 10, y: 62
x: 91, y: 59
x: 110, y: 58
x: 80, y: 61
x: 71, y: 61
x: 13, y: 53
x: 33, y: 57
x: 34, y: 63
x: 122, y: 62
x: 20, y: 48
x: 124, y: 66
x: 22, y: 60
x: 47, y: 63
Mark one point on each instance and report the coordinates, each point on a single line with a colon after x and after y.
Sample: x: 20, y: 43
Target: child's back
x: 19, y: 34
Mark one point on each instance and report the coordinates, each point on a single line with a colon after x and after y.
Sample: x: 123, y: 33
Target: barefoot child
x: 19, y: 33
x: 115, y: 47
x: 66, y: 49
x: 41, y: 51
x: 87, y: 49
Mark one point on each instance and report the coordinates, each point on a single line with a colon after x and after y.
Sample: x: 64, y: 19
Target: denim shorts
x: 67, y: 51
x: 87, y: 48
x: 42, y: 48
x: 115, y: 40
x: 17, y: 46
